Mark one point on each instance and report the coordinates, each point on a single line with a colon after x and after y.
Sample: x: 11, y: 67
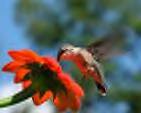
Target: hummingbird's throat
x: 68, y: 56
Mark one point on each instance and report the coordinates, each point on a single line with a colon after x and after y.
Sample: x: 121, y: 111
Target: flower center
x: 44, y: 79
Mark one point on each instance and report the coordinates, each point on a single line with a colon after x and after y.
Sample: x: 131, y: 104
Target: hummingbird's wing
x: 110, y: 45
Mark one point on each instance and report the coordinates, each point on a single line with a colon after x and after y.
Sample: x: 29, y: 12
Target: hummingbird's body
x: 88, y: 66
x: 87, y: 59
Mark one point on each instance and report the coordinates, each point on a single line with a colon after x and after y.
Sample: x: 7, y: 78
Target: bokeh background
x: 44, y: 25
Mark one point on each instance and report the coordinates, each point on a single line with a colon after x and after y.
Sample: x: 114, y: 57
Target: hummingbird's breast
x: 82, y: 65
x: 83, y: 60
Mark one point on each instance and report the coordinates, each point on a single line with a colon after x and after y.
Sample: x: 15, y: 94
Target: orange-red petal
x: 61, y: 102
x: 26, y: 83
x: 37, y: 99
x: 12, y: 66
x: 75, y: 104
x: 77, y: 90
x: 20, y: 74
x: 24, y: 55
x: 70, y: 84
x: 52, y: 64
x: 74, y: 101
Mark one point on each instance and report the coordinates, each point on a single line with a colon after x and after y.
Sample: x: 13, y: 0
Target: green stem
x: 19, y: 97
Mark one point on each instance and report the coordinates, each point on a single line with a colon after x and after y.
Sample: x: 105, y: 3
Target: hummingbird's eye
x: 64, y: 50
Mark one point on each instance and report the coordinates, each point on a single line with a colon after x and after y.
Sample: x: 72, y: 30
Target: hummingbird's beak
x: 60, y: 52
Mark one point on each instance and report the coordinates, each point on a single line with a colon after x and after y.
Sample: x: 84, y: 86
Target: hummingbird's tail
x: 101, y: 88
x: 100, y: 83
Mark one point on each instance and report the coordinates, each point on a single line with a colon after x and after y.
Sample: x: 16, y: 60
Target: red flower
x: 46, y: 77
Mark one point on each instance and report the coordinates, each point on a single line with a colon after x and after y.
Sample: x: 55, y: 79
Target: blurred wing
x: 107, y: 47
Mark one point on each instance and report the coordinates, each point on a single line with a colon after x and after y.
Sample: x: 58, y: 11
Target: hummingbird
x: 88, y: 59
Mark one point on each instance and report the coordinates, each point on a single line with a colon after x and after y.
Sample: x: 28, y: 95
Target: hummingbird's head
x: 66, y: 52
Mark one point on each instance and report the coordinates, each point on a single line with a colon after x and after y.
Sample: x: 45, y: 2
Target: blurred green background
x: 44, y: 25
